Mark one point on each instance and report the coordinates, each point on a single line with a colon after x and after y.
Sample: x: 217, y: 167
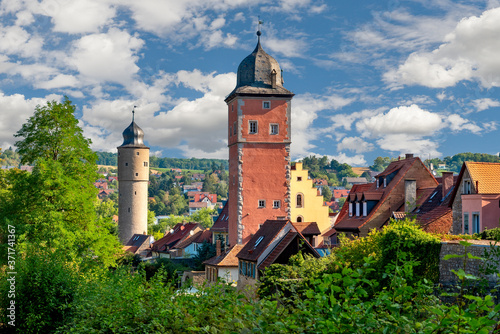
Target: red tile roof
x: 282, y: 245
x: 261, y: 239
x: 226, y: 259
x: 307, y: 228
x: 401, y: 167
x: 180, y: 231
x: 329, y: 233
x: 486, y: 175
x: 136, y: 241
x: 222, y: 222
x: 199, y: 237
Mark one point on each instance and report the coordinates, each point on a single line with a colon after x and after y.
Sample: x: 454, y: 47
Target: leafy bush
x: 45, y: 287
x: 493, y: 234
x: 383, y: 246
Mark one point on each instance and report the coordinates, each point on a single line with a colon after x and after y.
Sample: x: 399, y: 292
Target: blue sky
x: 371, y: 78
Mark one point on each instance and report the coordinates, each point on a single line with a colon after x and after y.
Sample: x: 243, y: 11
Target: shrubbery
x: 45, y: 289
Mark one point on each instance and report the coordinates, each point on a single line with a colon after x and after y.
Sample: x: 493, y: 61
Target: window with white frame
x: 365, y: 209
x: 262, y: 203
x: 276, y: 204
x: 476, y: 228
x: 357, y: 210
x: 273, y: 129
x: 350, y: 209
x: 234, y: 128
x: 266, y: 105
x: 466, y: 223
x: 252, y: 127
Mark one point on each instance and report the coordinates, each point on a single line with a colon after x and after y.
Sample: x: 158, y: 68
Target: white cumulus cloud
x: 467, y: 53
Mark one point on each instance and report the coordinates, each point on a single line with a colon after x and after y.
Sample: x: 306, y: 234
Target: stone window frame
x: 261, y: 203
x: 276, y: 204
x: 253, y: 127
x: 276, y: 126
x: 266, y: 104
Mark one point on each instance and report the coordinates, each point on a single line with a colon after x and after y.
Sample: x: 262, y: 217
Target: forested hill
x: 106, y: 158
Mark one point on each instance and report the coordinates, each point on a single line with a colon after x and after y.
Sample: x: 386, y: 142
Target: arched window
x: 300, y: 201
x: 299, y: 219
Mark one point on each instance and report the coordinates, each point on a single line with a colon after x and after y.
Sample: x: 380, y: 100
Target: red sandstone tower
x: 259, y: 139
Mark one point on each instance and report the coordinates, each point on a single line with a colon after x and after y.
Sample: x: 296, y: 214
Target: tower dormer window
x: 266, y: 105
x: 252, y: 127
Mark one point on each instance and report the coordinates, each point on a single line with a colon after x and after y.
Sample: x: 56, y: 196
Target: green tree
x: 380, y: 163
x: 53, y: 208
x: 327, y: 193
x: 204, y: 217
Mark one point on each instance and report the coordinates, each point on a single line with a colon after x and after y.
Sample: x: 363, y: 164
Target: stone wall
x: 446, y: 277
x: 196, y: 278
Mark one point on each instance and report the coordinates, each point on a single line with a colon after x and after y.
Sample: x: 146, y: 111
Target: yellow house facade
x: 305, y: 203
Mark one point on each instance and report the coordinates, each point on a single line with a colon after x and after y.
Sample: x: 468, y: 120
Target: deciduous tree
x: 53, y: 208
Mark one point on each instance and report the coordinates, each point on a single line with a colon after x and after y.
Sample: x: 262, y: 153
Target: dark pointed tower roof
x: 259, y: 73
x: 133, y: 136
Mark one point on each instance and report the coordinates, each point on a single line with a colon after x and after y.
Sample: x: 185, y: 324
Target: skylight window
x: 258, y: 241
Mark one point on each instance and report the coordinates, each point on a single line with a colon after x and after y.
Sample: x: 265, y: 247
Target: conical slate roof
x: 259, y: 73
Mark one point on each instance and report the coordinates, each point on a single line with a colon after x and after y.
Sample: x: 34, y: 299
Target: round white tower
x: 133, y: 178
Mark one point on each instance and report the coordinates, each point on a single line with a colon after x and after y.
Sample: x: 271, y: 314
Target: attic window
x: 137, y: 153
x: 258, y: 241
x: 467, y: 187
x: 266, y: 105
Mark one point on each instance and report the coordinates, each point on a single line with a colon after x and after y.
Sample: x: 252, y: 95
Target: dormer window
x: 350, y: 209
x: 357, y: 209
x: 365, y: 209
x: 385, y: 182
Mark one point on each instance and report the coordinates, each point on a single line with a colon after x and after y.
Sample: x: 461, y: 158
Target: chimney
x: 408, y: 155
x: 447, y: 182
x: 410, y: 195
x: 217, y: 247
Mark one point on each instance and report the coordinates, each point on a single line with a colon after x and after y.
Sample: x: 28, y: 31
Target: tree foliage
x: 54, y: 206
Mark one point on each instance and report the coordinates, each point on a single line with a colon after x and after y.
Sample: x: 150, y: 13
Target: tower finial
x: 258, y: 29
x: 133, y: 113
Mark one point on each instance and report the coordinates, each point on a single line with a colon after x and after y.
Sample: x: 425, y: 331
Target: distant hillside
x: 110, y: 159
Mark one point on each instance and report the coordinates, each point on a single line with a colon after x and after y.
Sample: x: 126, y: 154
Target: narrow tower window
x: 299, y: 201
x: 145, y: 164
x: 234, y: 128
x: 137, y: 153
